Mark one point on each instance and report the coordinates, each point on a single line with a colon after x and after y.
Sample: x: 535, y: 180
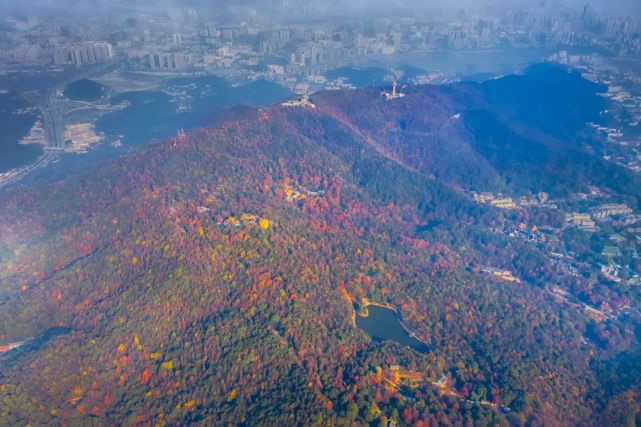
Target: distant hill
x: 208, y: 278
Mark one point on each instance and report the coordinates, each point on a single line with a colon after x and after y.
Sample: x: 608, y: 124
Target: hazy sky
x: 619, y: 7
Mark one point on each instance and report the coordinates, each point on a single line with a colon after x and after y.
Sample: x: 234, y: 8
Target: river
x: 12, y: 357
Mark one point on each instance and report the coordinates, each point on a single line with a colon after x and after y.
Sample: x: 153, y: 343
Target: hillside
x: 207, y: 278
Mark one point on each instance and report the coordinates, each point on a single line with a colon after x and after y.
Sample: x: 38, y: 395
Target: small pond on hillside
x: 383, y: 324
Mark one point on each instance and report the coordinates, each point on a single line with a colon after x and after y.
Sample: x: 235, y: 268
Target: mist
x: 331, y: 7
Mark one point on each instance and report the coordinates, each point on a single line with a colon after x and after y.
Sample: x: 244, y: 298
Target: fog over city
x: 95, y: 7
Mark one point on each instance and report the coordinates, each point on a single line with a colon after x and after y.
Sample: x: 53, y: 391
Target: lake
x: 475, y: 65
x: 155, y: 116
x: 16, y: 122
x: 383, y: 324
x: 149, y: 116
x: 464, y: 62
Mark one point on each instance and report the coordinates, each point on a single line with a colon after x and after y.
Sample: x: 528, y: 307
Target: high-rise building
x: 168, y: 61
x: 83, y: 54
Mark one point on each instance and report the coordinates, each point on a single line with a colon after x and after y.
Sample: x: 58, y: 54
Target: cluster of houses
x: 562, y: 296
x: 303, y: 101
x: 503, y: 202
x: 245, y: 218
x: 296, y: 194
x: 500, y: 274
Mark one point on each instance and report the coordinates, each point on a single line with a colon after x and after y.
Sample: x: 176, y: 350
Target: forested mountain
x: 208, y: 278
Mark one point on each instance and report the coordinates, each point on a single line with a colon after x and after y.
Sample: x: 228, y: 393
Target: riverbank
x: 16, y: 351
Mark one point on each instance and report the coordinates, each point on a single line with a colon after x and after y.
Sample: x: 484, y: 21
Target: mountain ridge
x: 183, y: 308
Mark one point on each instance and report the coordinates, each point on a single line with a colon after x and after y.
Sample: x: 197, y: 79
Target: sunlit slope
x: 205, y: 278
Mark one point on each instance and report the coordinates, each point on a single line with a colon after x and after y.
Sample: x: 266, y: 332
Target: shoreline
x: 399, y: 316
